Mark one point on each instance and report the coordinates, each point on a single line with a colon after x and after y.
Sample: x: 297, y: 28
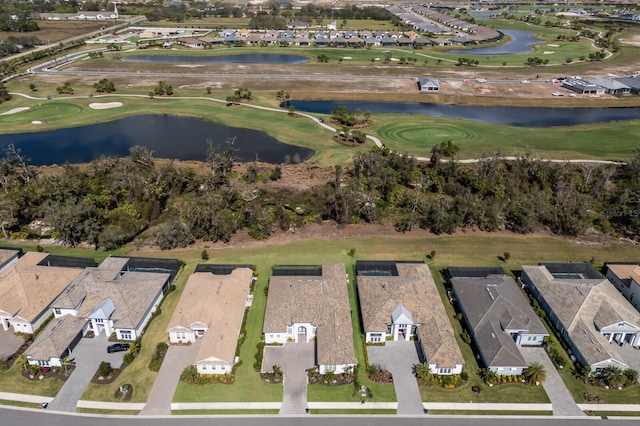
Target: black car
x: 118, y: 347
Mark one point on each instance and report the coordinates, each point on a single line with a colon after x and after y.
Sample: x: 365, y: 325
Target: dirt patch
x: 54, y: 31
x: 631, y: 41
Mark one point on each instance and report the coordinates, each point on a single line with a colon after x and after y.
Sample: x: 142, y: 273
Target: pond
x: 168, y: 136
x: 521, y: 42
x: 511, y: 116
x: 485, y: 14
x: 241, y: 58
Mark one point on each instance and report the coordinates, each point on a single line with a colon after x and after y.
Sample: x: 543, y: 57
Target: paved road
x: 399, y: 358
x: 177, y: 358
x: 26, y: 417
x: 88, y: 355
x: 561, y: 400
x: 295, y: 359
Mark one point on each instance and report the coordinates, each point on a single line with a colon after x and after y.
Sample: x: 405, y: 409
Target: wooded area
x: 114, y: 200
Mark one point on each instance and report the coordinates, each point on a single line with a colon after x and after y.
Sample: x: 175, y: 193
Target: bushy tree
x: 173, y: 234
x: 104, y: 86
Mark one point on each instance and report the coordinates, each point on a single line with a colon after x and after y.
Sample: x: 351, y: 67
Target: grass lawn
x: 416, y: 135
x: 372, y: 411
x: 223, y: 412
x: 13, y: 381
x: 108, y: 412
x: 19, y: 404
x: 615, y: 413
x: 490, y: 413
x: 138, y: 373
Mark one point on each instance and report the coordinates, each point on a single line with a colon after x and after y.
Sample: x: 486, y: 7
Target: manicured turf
x: 363, y: 412
x: 108, y: 412
x: 490, y: 413
x: 222, y: 412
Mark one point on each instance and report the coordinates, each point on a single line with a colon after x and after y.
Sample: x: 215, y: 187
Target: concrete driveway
x: 9, y: 343
x: 87, y: 356
x: 399, y: 358
x: 176, y: 359
x: 295, y: 359
x: 561, y: 400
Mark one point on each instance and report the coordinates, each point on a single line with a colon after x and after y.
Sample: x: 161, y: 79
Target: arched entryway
x: 302, y: 334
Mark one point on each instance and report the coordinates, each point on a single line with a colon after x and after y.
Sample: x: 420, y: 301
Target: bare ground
x: 54, y: 31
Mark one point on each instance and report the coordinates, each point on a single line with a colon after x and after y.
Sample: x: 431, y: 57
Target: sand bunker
x: 548, y: 52
x: 189, y: 65
x: 553, y: 45
x: 346, y: 57
x: 15, y: 110
x: 105, y: 105
x: 36, y: 122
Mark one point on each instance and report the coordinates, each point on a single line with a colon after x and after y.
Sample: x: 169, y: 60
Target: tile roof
x: 493, y: 305
x: 625, y: 272
x: 27, y: 289
x: 217, y: 302
x: 55, y: 338
x: 320, y: 300
x: 131, y: 292
x: 415, y: 289
x: 581, y: 305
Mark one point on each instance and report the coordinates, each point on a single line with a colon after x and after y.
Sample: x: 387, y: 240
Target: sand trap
x: 36, y: 122
x: 15, y: 110
x: 347, y: 57
x: 189, y: 65
x: 105, y: 105
x: 395, y: 59
x: 553, y: 45
x: 548, y: 52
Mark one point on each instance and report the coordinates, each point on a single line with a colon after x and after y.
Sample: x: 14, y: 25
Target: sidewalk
x: 36, y: 399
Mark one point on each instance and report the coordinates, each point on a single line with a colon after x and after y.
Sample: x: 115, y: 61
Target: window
x: 98, y: 320
x: 57, y: 311
x: 126, y: 335
x: 376, y: 337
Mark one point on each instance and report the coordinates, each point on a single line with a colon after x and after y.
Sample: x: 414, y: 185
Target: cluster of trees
x: 4, y: 93
x: 468, y: 61
x: 162, y: 88
x: 265, y: 21
x: 65, y: 89
x: 536, y: 61
x: 18, y: 22
x: 348, y: 118
x: 14, y: 44
x: 241, y: 94
x: 104, y: 86
x: 114, y: 200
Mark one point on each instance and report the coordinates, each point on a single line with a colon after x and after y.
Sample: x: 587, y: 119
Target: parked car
x: 557, y: 94
x: 118, y: 347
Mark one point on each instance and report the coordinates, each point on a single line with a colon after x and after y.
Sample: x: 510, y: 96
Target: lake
x: 168, y: 136
x: 241, y: 58
x: 511, y: 116
x: 521, y: 42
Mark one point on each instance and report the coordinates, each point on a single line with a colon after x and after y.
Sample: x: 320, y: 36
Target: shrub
x: 158, y: 356
x: 260, y: 349
x: 104, y: 369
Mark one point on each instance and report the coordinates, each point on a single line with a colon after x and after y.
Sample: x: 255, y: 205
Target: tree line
x: 115, y: 200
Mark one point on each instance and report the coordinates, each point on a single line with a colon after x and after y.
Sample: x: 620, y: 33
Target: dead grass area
x: 633, y: 40
x: 55, y: 31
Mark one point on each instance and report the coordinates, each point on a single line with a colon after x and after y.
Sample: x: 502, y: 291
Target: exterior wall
x: 376, y: 337
x: 525, y: 339
x: 22, y: 326
x: 60, y: 312
x: 140, y: 328
x: 214, y: 368
x: 445, y: 371
x: 182, y: 336
x: 270, y: 338
x: 337, y: 369
x: 294, y: 331
x: 100, y: 326
x: 508, y: 371
x: 632, y: 293
x: 126, y: 334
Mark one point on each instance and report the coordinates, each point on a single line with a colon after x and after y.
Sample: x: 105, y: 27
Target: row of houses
x: 117, y: 297
x: 398, y: 301
x: 617, y: 86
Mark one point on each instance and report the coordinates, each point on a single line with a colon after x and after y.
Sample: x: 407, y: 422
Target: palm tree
x: 488, y: 376
x: 423, y: 372
x: 535, y: 373
x: 277, y: 371
x: 614, y: 376
x: 631, y: 375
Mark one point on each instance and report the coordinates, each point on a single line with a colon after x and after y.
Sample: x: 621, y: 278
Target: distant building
x: 583, y: 87
x: 611, y: 86
x: 428, y: 84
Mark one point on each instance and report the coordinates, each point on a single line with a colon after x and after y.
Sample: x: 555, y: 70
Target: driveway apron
x: 176, y: 359
x: 87, y: 355
x: 294, y: 359
x: 561, y: 400
x: 399, y: 358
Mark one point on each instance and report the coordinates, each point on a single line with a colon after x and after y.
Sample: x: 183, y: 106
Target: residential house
x: 583, y: 87
x: 626, y: 278
x: 598, y: 324
x: 400, y: 301
x: 56, y: 341
x: 191, y: 42
x: 428, y: 84
x: 211, y: 309
x: 498, y: 316
x: 633, y: 82
x: 311, y: 303
x: 611, y: 86
x: 29, y: 284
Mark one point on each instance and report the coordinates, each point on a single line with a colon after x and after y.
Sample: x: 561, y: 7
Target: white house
x: 400, y: 301
x: 598, y: 324
x: 56, y: 341
x: 211, y: 309
x: 626, y: 278
x: 311, y: 305
x: 498, y: 317
x: 28, y: 285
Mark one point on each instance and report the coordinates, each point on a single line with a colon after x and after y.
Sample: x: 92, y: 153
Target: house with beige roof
x: 598, y: 324
x: 211, y: 309
x: 310, y: 304
x: 29, y: 284
x: 400, y: 301
x: 497, y: 315
x: 626, y: 278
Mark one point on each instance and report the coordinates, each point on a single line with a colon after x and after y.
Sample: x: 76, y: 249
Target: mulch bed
x: 52, y: 373
x: 271, y: 378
